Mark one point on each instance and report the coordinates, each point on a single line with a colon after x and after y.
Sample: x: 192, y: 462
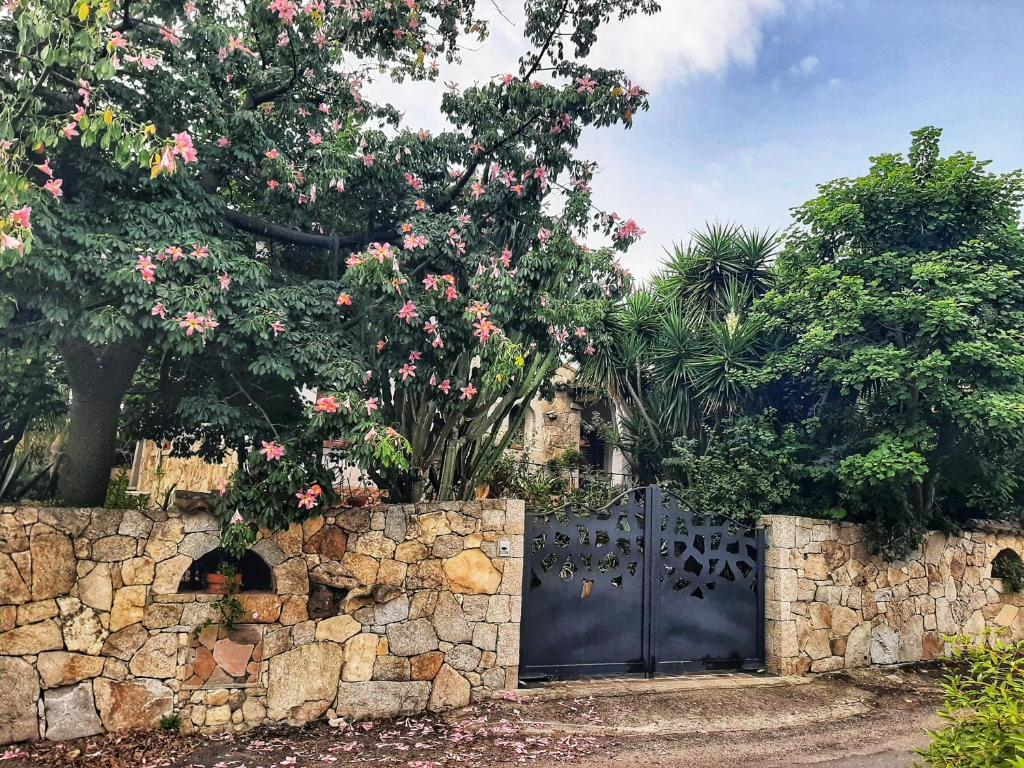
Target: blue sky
x: 756, y: 101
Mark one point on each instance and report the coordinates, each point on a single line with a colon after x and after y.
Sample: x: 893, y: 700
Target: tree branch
x: 261, y: 227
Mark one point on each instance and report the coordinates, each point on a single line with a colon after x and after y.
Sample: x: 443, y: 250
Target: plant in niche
x: 1008, y: 566
x: 237, y: 536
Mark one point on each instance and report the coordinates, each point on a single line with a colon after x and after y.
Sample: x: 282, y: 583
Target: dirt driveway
x: 872, y: 719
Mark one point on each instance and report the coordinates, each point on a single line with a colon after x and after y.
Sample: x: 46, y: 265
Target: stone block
x: 292, y: 577
x: 337, y: 629
x: 31, y: 639
x: 393, y: 668
x: 18, y: 720
x: 291, y: 684
x: 129, y: 607
x: 124, y: 643
x: 60, y: 668
x: 30, y: 613
x: 114, y: 549
x: 382, y: 699
x: 450, y: 620
x: 485, y: 636
x: 195, y: 545
x: 168, y: 574
x: 471, y: 572
x: 13, y: 589
x: 360, y: 656
x: 131, y: 705
x: 71, y: 713
x: 158, y: 657
x: 450, y: 690
x: 508, y: 645
x: 885, y: 645
x: 54, y: 566
x: 412, y: 638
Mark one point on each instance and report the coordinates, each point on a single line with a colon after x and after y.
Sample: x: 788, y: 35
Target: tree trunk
x: 99, y: 379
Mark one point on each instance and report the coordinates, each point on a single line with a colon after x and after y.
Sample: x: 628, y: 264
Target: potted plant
x: 226, y: 580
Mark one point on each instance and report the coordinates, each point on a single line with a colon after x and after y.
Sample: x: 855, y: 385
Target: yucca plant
x: 679, y: 347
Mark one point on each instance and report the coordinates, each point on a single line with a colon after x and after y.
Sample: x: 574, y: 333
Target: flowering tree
x: 203, y: 188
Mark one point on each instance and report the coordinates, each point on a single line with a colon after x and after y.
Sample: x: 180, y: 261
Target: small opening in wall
x: 1008, y: 566
x: 255, y: 573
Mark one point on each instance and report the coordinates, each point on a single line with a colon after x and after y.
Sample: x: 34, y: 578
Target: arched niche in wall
x: 256, y: 573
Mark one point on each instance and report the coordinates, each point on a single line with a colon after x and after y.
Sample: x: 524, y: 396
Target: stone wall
x: 830, y: 605
x: 374, y: 612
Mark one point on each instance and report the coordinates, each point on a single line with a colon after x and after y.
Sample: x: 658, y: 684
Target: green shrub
x: 1009, y: 567
x: 170, y: 723
x: 983, y: 704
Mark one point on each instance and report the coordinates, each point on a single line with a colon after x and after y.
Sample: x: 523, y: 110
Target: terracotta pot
x: 216, y: 584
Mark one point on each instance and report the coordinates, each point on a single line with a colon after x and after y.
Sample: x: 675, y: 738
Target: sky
x: 754, y: 102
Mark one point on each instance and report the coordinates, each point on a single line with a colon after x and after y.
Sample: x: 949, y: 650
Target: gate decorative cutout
x: 598, y: 601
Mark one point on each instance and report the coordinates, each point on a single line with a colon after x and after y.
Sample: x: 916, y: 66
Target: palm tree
x: 678, y: 347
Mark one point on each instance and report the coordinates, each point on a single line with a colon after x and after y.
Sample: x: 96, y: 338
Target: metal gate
x: 598, y: 601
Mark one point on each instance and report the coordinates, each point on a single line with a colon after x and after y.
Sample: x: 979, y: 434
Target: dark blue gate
x: 598, y: 601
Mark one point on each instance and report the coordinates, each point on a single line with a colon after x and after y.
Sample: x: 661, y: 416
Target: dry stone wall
x: 374, y: 612
x: 830, y: 604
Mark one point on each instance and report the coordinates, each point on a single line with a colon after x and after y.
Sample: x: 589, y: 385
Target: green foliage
x: 677, y: 351
x: 747, y: 470
x: 898, y: 321
x: 1008, y: 566
x: 170, y: 723
x: 983, y: 706
x: 118, y: 496
x: 237, y: 537
x: 562, y: 483
x: 230, y: 610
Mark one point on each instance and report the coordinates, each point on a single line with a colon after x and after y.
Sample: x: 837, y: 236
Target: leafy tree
x: 208, y: 189
x: 899, y: 301
x: 677, y: 349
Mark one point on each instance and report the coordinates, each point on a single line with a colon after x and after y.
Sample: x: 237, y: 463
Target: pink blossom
x: 9, y: 242
x: 70, y: 131
x: 445, y: 386
x: 117, y: 41
x: 200, y: 252
x: 408, y: 371
x: 413, y: 181
x: 328, y: 404
x: 629, y: 230
x: 415, y: 357
x: 159, y: 310
x: 368, y: 159
x: 581, y: 332
x: 277, y: 327
x: 508, y: 78
x: 170, y: 37
x: 468, y: 392
x: 421, y: 205
x: 585, y: 84
x: 273, y: 184
x: 271, y: 154
x: 147, y: 269
x: 315, y: 138
x: 272, y: 450
x: 477, y: 190
x: 20, y: 217
x: 412, y: 241
x: 485, y: 329
x: 183, y: 147
x: 344, y: 300
x: 451, y: 293
x: 223, y: 142
x: 381, y: 344
x: 191, y: 11
x: 408, y: 312
x: 45, y: 168
x: 438, y: 342
x: 225, y: 281
x: 310, y: 498
x: 381, y: 252
x: 589, y: 350
x: 371, y: 405
x: 431, y: 326
x: 193, y: 323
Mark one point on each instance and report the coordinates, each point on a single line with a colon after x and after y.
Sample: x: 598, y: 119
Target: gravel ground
x: 871, y: 719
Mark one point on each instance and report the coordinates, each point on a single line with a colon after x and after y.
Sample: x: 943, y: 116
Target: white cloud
x: 807, y: 66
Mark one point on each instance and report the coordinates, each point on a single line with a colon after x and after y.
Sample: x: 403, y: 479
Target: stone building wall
x: 374, y: 612
x: 830, y: 605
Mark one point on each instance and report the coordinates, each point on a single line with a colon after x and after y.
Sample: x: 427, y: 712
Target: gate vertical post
x: 761, y: 536
x: 652, y: 502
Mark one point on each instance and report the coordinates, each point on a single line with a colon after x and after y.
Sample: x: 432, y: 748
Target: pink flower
x: 485, y: 329
x: 408, y: 371
x: 225, y: 281
x: 200, y: 252
x: 170, y: 37
x: 430, y: 283
x: 368, y: 159
x: 585, y: 84
x: 193, y: 324
x: 70, y: 131
x: 581, y: 332
x: 371, y: 405
x: 468, y: 392
x: 629, y: 230
x: 272, y: 154
x: 408, y: 312
x: 277, y: 327
x: 223, y: 142
x: 147, y: 269
x: 45, y: 168
x: 413, y: 181
x: 421, y: 205
x: 412, y: 241
x: 315, y: 138
x: 477, y: 190
x: 380, y: 345
x: 20, y: 217
x: 508, y: 78
x: 590, y: 350
x: 183, y: 147
x: 117, y: 41
x: 273, y: 184
x: 191, y: 11
x: 309, y: 499
x: 381, y: 252
x: 438, y: 342
x: 344, y: 300
x: 328, y: 404
x: 431, y: 325
x: 237, y: 519
x: 272, y: 450
x: 445, y: 386
x: 9, y: 242
x: 415, y: 357
x: 159, y: 310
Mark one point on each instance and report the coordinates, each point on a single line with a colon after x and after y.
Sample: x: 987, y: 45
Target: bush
x: 983, y: 706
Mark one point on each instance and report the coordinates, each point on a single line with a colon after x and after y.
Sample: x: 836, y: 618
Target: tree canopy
x: 203, y: 213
